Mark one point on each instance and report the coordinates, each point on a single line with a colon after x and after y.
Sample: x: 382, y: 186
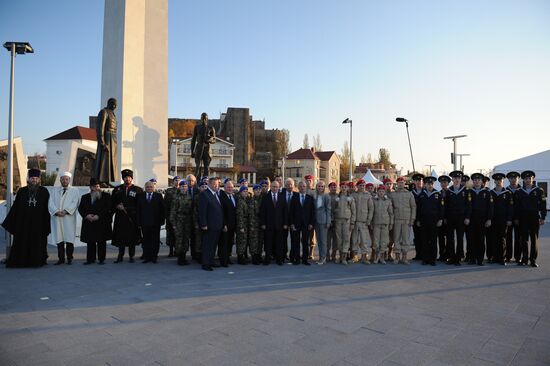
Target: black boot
x: 60, y: 254
x: 70, y: 251
x: 171, y: 252
x: 242, y: 260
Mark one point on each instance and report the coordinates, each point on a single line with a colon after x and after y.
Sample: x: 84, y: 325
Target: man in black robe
x: 95, y: 209
x: 29, y: 222
x: 124, y: 204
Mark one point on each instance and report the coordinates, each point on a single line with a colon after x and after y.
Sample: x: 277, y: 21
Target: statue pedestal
x: 135, y: 72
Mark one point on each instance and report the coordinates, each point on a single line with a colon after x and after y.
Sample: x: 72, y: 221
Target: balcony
x: 226, y: 152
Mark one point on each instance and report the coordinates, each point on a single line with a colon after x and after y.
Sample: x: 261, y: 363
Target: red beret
x: 401, y: 179
x: 309, y: 176
x: 343, y: 183
x: 332, y: 184
x: 360, y: 181
x: 369, y: 185
x: 388, y: 180
x: 351, y: 184
x: 381, y: 187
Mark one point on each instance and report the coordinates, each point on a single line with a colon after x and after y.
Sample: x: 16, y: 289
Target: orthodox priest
x: 29, y: 222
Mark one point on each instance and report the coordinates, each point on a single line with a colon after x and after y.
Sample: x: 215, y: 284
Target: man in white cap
x: 63, y: 206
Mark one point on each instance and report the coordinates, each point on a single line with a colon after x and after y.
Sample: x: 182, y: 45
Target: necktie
x: 232, y: 200
x: 64, y: 191
x: 288, y: 197
x: 148, y: 197
x: 274, y: 200
x: 302, y: 199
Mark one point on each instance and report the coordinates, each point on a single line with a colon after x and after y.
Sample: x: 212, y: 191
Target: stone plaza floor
x: 163, y: 314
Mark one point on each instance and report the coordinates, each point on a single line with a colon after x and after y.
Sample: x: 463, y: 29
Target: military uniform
x: 181, y: 218
x: 170, y: 234
x: 416, y: 230
x: 512, y: 233
x: 255, y: 235
x: 502, y: 219
x: 530, y: 208
x: 364, y: 210
x: 458, y: 206
x: 482, y: 213
x: 344, y: 216
x: 382, y: 223
x: 430, y: 214
x: 197, y: 232
x: 242, y: 228
x: 404, y: 216
x: 442, y: 230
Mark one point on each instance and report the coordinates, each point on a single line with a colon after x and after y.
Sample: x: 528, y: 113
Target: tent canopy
x: 370, y: 178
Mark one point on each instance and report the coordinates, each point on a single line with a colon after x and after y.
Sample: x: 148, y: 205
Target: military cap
x: 527, y: 174
x: 465, y: 178
x: 242, y: 180
x: 343, y: 183
x: 512, y: 174
x: 417, y: 176
x: 477, y: 176
x: 153, y: 180
x: 456, y: 174
x: 177, y: 177
x: 486, y: 179
x: 498, y: 176
x: 257, y: 186
x: 444, y: 178
x: 127, y: 173
x: 309, y: 177
x: 183, y: 182
x: 264, y: 182
x: 381, y: 187
x: 388, y: 180
x: 351, y: 184
x: 243, y: 188
x: 401, y: 179
x: 369, y: 185
x: 429, y: 179
x: 93, y: 182
x: 34, y: 173
x: 226, y: 180
x: 332, y: 184
x: 203, y: 183
x: 360, y: 181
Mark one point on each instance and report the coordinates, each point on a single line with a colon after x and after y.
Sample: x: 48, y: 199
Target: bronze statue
x: 106, y: 161
x: 203, y: 136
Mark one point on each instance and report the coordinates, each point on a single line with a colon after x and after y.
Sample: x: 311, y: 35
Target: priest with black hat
x: 531, y: 213
x: 95, y: 209
x: 126, y: 233
x: 29, y: 222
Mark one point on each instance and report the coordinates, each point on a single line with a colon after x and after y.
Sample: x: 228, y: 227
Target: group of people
x: 351, y: 223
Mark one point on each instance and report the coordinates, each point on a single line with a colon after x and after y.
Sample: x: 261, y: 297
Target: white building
x: 61, y: 149
x: 539, y: 163
x: 222, y: 159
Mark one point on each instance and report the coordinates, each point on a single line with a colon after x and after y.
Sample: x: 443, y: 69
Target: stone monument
x: 135, y: 73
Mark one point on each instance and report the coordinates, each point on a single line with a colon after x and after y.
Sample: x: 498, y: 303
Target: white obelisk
x: 135, y: 72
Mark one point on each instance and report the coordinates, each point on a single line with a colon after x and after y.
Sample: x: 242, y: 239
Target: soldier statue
x: 106, y: 154
x: 203, y: 136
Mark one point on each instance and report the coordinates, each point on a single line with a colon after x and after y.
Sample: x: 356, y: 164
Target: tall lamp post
x: 176, y: 142
x: 454, y: 138
x: 19, y: 48
x: 404, y: 120
x: 347, y: 120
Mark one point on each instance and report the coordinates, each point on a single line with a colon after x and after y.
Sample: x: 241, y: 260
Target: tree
x: 344, y: 162
x: 305, y: 144
x: 282, y: 144
x: 363, y: 159
x: 317, y: 143
x: 370, y: 160
x: 384, y: 157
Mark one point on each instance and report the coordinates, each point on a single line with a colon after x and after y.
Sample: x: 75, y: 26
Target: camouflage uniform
x: 180, y: 218
x: 195, y: 222
x: 168, y: 198
x: 255, y: 237
x: 243, y: 212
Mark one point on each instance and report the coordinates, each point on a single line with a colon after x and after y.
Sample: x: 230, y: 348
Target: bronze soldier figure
x: 203, y: 136
x: 106, y: 154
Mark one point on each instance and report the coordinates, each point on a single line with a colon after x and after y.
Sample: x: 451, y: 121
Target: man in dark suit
x: 150, y: 217
x: 273, y: 219
x: 95, y: 209
x: 229, y: 207
x: 289, y: 194
x: 301, y: 220
x: 210, y: 222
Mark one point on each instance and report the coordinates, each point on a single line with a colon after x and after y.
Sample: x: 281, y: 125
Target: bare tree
x: 305, y: 144
x: 317, y: 143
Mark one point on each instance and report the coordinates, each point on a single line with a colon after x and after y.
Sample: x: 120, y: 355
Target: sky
x: 479, y: 68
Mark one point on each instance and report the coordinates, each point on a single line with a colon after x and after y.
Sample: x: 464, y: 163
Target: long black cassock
x: 29, y: 223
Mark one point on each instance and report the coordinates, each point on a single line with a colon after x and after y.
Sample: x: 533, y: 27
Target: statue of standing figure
x: 106, y: 162
x: 203, y: 136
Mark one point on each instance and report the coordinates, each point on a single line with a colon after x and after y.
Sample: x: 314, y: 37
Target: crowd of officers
x: 349, y: 223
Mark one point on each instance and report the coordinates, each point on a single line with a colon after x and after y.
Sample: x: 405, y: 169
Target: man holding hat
x: 29, y: 222
x: 431, y: 212
x: 480, y: 220
x: 531, y: 213
x: 512, y: 234
x: 125, y: 230
x: 62, y: 205
x: 502, y: 219
x: 95, y: 209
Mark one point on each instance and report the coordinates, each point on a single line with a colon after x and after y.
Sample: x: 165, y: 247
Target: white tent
x: 539, y: 163
x: 370, y: 178
x: 437, y: 185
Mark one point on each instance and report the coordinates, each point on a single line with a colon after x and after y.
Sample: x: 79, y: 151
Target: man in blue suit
x: 210, y: 222
x: 301, y: 220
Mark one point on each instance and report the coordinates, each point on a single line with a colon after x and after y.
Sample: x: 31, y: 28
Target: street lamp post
x: 347, y: 120
x: 176, y: 142
x: 454, y: 138
x: 404, y: 120
x: 14, y: 48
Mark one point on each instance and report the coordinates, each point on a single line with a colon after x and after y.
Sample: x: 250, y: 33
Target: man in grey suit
x: 323, y: 218
x: 210, y: 222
